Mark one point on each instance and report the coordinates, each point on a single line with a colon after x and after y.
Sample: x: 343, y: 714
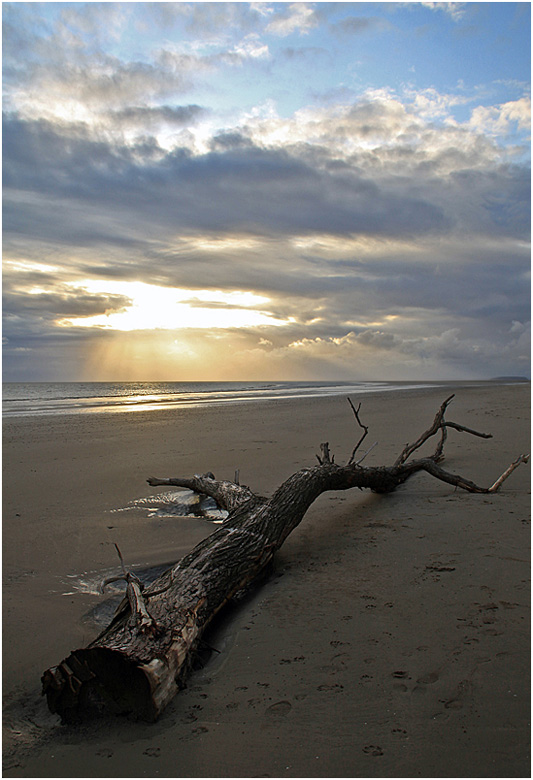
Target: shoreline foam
x: 37, y: 399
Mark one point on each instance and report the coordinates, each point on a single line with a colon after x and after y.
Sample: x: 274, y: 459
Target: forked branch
x: 439, y: 424
x: 364, y: 427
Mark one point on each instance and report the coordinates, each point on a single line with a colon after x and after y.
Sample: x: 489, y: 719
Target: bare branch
x: 140, y: 617
x: 109, y: 580
x: 364, y: 427
x: 439, y: 452
x: 429, y: 465
x: 439, y: 423
x: 463, y: 428
x: 512, y: 467
x: 228, y: 495
x: 117, y: 548
x: 324, y: 449
x: 361, y: 459
x: 435, y: 426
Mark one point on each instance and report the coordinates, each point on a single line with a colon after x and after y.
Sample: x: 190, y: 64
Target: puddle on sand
x: 172, y: 503
x: 178, y: 503
x: 89, y: 583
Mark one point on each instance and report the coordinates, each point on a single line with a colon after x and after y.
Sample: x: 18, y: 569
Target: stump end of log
x: 94, y: 681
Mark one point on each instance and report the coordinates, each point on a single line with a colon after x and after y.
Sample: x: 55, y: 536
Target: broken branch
x: 364, y: 427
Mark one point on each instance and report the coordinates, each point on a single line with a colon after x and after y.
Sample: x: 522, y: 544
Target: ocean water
x: 38, y: 398
x: 45, y: 398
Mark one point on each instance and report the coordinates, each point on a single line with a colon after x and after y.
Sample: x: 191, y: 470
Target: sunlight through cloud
x: 171, y: 308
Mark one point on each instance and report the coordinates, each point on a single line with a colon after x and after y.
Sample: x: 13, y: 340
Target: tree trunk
x: 139, y: 662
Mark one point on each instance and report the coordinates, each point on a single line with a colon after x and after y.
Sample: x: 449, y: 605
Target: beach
x: 391, y: 638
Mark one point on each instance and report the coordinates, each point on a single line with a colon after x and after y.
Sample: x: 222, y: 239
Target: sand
x: 391, y: 639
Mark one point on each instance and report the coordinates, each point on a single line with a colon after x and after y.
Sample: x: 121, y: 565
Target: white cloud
x: 455, y: 10
x: 431, y: 104
x: 252, y: 47
x: 263, y: 9
x: 502, y: 119
x: 298, y: 18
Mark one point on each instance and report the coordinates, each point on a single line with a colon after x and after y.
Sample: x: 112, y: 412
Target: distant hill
x: 509, y: 379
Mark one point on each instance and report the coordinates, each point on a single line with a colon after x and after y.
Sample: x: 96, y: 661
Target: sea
x: 23, y: 399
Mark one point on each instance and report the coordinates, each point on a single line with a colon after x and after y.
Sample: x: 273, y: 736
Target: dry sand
x: 391, y: 640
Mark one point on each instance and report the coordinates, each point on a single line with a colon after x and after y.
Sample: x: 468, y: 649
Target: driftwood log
x: 140, y: 661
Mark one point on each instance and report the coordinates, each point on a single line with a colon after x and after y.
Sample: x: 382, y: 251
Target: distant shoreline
x: 59, y: 398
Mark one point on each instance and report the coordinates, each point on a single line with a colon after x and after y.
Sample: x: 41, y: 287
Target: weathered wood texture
x: 139, y: 662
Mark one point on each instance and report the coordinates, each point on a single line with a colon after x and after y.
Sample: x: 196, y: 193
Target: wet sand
x: 390, y: 640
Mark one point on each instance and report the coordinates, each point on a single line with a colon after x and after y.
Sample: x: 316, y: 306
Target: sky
x: 256, y: 191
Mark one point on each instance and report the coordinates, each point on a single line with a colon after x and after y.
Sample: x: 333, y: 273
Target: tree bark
x: 140, y: 661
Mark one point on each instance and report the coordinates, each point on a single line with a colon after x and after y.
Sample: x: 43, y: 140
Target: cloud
x: 84, y: 88
x: 215, y: 20
x: 299, y: 17
x: 375, y: 167
x: 66, y: 72
x: 502, y: 119
x: 236, y: 188
x: 389, y: 236
x: 455, y: 10
x: 252, y: 47
x: 356, y: 25
x: 373, y: 353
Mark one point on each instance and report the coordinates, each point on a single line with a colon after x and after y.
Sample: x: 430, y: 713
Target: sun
x: 152, y: 307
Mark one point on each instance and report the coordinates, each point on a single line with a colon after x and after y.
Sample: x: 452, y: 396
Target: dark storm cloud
x: 51, y: 305
x: 31, y: 335
x: 60, y: 183
x: 150, y: 117
x: 33, y: 316
x: 242, y: 187
x: 129, y: 203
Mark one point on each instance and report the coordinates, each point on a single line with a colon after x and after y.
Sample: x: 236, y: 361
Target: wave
x: 59, y: 398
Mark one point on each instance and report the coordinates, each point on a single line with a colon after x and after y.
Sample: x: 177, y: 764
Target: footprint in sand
x: 104, y: 753
x: 400, y: 687
x: 373, y: 750
x: 462, y: 694
x: 428, y: 679
x: 333, y: 687
x: 280, y: 708
x: 152, y: 752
